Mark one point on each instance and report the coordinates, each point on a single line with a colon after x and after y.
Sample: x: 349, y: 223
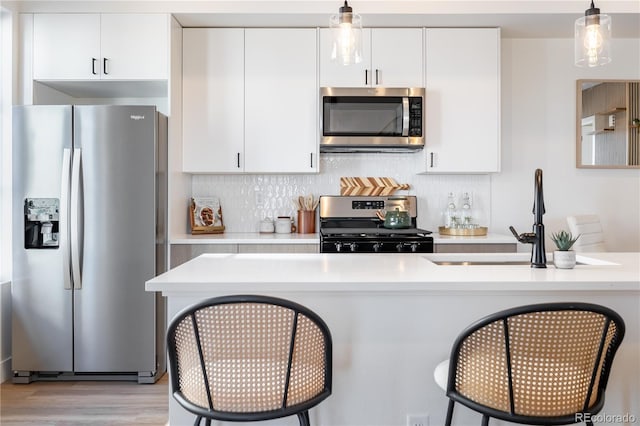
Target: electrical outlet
x: 417, y: 420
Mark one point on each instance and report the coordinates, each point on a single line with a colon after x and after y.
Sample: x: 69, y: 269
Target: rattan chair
x: 545, y: 364
x: 249, y: 358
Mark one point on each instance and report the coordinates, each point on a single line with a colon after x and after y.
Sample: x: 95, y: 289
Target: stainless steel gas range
x: 350, y: 224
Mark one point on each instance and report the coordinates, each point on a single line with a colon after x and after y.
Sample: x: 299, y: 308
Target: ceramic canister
x: 283, y: 225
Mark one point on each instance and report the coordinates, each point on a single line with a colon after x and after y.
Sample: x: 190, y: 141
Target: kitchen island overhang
x: 394, y: 317
x: 301, y: 272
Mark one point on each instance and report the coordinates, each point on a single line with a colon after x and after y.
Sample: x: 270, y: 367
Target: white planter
x: 564, y: 259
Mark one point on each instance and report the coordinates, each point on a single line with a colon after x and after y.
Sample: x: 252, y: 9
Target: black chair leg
x: 485, y: 420
x: 207, y: 421
x: 303, y: 417
x: 449, y: 413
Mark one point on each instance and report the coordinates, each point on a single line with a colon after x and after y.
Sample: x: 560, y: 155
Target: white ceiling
x: 517, y: 18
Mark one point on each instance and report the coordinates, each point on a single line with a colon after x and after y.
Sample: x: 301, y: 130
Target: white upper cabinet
x: 392, y: 57
x: 281, y: 100
x: 250, y: 100
x: 334, y: 74
x: 66, y: 46
x: 213, y: 100
x: 397, y: 57
x: 462, y: 125
x: 135, y: 46
x: 100, y: 46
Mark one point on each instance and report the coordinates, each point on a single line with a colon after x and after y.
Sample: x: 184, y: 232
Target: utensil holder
x: 306, y: 221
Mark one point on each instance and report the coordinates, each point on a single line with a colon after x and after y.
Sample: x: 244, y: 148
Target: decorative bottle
x: 450, y: 213
x: 466, y: 216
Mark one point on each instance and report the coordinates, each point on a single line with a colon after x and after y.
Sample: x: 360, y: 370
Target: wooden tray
x: 197, y: 229
x: 462, y: 232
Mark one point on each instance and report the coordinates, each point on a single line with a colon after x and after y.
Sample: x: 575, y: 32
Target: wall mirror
x: 608, y: 124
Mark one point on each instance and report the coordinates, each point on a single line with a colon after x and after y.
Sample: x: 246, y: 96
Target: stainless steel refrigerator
x: 89, y: 228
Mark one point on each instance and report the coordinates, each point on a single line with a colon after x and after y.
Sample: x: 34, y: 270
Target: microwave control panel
x: 415, y: 116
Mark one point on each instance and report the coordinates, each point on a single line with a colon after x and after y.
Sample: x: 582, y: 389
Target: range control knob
x: 399, y: 246
x: 338, y: 247
x: 377, y: 247
x: 353, y: 247
x: 414, y: 247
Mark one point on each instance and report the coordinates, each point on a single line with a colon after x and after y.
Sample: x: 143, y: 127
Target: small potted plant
x: 564, y: 257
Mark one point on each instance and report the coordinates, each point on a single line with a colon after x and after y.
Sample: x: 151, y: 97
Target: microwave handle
x: 405, y: 116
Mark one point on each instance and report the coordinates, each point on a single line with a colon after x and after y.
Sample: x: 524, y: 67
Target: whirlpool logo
x: 137, y: 117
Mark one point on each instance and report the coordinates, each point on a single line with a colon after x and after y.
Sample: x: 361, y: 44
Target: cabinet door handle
x: 377, y: 75
x: 238, y: 159
x: 366, y: 77
x: 93, y: 66
x: 104, y: 66
x: 431, y: 156
x: 311, y: 158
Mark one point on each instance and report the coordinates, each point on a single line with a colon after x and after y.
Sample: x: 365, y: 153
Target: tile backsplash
x: 247, y: 199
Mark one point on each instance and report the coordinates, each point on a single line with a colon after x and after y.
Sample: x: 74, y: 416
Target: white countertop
x: 245, y: 238
x: 294, y: 238
x: 326, y: 272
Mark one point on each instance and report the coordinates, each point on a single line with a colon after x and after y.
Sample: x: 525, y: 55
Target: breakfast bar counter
x: 394, y: 317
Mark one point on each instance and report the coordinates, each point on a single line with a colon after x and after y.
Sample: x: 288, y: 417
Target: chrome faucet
x: 536, y: 238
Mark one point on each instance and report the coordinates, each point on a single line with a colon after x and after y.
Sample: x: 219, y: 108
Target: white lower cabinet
x: 462, y: 125
x: 181, y: 253
x: 250, y: 100
x: 475, y: 248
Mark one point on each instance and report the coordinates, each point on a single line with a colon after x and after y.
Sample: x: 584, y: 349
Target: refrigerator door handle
x: 64, y: 218
x: 74, y: 218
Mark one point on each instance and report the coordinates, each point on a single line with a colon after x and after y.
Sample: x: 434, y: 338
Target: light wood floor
x: 84, y: 403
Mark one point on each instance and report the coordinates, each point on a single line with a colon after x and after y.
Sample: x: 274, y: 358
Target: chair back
x: 249, y: 358
x: 536, y: 364
x: 590, y: 230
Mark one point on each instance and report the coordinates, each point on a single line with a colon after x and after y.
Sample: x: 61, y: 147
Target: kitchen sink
x: 488, y: 262
x: 501, y: 259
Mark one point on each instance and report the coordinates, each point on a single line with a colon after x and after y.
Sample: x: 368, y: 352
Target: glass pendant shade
x: 592, y: 39
x: 346, y: 34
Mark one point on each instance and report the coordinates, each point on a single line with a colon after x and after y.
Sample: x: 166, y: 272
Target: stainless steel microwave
x: 373, y: 119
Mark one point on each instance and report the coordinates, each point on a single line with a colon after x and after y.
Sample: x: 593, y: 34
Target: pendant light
x: 593, y: 38
x: 346, y: 32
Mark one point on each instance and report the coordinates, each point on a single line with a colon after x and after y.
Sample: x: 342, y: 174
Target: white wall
x: 538, y: 115
x: 6, y: 72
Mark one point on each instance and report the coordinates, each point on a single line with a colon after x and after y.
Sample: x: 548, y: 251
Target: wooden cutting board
x: 370, y: 186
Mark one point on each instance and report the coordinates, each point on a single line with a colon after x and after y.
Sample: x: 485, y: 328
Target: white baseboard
x: 5, y: 331
x: 5, y: 370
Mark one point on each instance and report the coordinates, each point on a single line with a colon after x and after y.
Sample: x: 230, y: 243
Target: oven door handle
x: 405, y: 116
